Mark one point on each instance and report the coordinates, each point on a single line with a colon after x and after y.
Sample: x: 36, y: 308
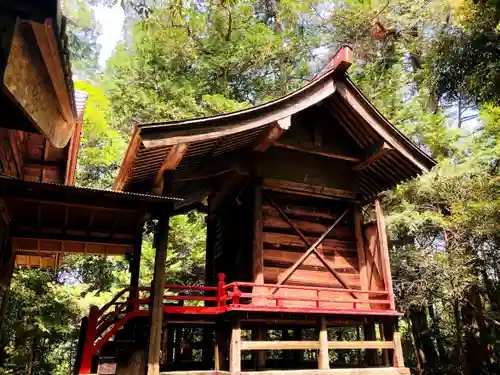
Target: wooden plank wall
x: 283, y: 247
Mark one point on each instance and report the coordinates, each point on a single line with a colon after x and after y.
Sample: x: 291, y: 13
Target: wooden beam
x: 161, y: 244
x: 323, y: 358
x: 128, y: 160
x: 209, y: 128
x: 384, y: 251
x: 316, y: 152
x: 47, y: 43
x: 380, y: 125
x: 258, y: 245
x: 31, y: 91
x: 286, y: 275
x: 272, y: 134
x: 337, y: 371
x: 293, y: 187
x: 360, y: 244
x: 381, y: 151
x: 171, y: 162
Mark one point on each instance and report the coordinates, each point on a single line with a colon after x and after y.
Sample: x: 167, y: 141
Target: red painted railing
x: 104, y: 323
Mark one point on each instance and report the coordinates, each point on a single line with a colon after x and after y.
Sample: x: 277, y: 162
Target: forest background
x: 431, y: 66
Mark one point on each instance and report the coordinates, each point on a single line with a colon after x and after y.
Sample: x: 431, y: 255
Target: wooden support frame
x: 384, y: 251
x: 161, y: 243
x: 272, y: 134
x: 380, y: 152
x: 323, y: 358
x: 312, y: 247
x: 258, y: 247
x: 170, y: 163
x: 235, y: 348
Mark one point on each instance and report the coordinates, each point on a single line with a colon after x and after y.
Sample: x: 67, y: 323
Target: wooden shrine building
x: 297, y: 259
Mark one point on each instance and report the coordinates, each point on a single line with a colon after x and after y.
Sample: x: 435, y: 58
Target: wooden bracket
x: 272, y: 134
x: 381, y: 151
x: 171, y: 162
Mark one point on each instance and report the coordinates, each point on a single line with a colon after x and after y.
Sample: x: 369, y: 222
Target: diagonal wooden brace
x: 308, y: 243
x: 311, y: 249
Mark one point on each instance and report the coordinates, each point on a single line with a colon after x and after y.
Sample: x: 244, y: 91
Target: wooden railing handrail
x: 311, y: 288
x: 314, y: 299
x: 313, y: 345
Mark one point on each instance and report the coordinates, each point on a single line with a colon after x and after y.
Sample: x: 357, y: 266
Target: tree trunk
x: 459, y: 346
x: 423, y: 337
x: 443, y: 356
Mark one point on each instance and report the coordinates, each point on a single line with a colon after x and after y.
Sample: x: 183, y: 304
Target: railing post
x: 220, y: 290
x: 236, y: 295
x: 88, y: 345
x: 317, y: 301
x: 398, y: 351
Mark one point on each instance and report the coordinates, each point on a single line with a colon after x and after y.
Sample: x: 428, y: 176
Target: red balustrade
x: 104, y: 323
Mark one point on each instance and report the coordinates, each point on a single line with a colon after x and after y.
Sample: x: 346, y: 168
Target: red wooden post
x: 317, y: 301
x: 88, y: 346
x: 220, y: 290
x: 236, y: 295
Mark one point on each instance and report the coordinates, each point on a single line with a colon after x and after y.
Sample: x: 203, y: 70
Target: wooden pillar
x: 235, y: 348
x: 210, y: 277
x: 135, y: 263
x: 161, y: 242
x: 371, y: 354
x: 360, y: 243
x: 208, y: 346
x: 220, y: 346
x: 398, y: 351
x: 178, y: 339
x: 298, y: 355
x: 384, y: 251
x: 323, y: 357
x: 385, y: 352
x: 259, y: 356
x: 388, y: 328
x: 258, y: 250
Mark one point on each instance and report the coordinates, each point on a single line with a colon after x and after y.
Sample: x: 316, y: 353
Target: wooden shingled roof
x: 204, y: 148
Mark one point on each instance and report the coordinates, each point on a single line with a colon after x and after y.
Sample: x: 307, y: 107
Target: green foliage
x: 101, y: 145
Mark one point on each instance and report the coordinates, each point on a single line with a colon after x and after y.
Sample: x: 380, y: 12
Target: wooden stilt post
x: 259, y: 356
x: 258, y: 245
x: 323, y: 357
x: 135, y: 263
x: 384, y: 251
x: 385, y: 352
x: 298, y: 354
x: 371, y: 354
x: 178, y: 339
x: 235, y: 348
x: 161, y: 242
x: 220, y: 346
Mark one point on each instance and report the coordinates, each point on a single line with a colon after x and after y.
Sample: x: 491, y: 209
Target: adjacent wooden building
x: 297, y: 258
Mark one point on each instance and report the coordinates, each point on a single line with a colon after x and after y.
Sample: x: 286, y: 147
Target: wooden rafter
x: 381, y: 151
x: 171, y: 162
x: 312, y: 248
x: 272, y: 134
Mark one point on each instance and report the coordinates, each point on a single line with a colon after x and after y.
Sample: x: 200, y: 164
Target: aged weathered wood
x: 258, y: 333
x: 347, y: 94
x: 171, y: 162
x: 380, y: 152
x: 161, y: 244
x: 384, y: 251
x: 128, y: 161
x: 358, y: 224
x: 135, y: 263
x: 47, y: 43
x: 235, y: 348
x: 398, y: 351
x: 258, y: 248
x: 279, y: 345
x: 286, y: 275
x: 302, y: 98
x: 282, y: 240
x: 317, y: 152
x: 323, y: 357
x: 33, y: 93
x: 369, y: 335
x: 272, y: 134
x: 310, y: 190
